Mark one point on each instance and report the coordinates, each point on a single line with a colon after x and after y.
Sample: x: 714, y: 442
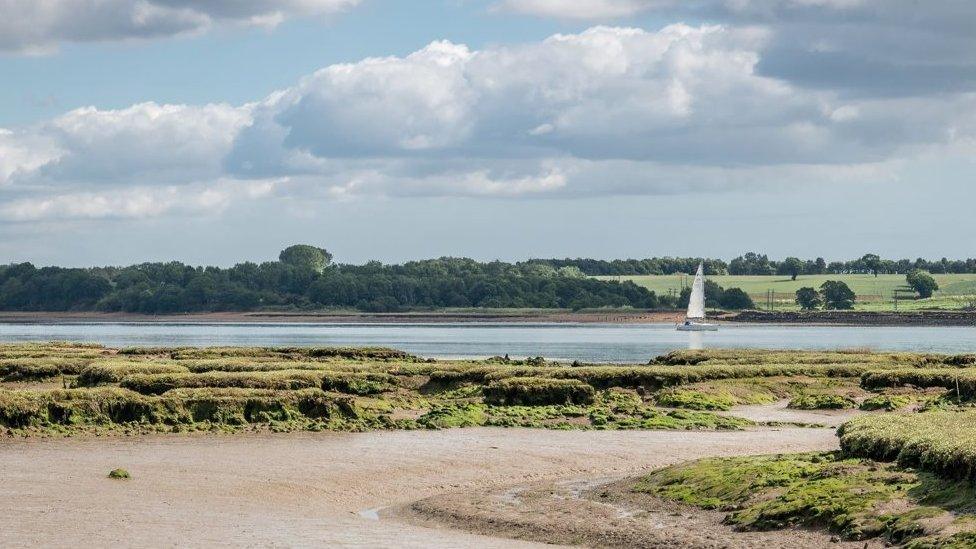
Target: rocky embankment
x: 858, y: 318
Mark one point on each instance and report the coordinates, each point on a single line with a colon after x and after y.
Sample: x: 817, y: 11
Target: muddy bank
x: 603, y: 513
x: 316, y: 489
x: 857, y: 318
x: 503, y: 316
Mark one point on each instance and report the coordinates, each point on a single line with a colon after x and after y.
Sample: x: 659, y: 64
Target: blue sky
x: 224, y: 131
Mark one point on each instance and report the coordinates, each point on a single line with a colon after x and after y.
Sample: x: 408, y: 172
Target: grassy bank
x: 941, y: 441
x: 858, y: 499
x: 874, y: 293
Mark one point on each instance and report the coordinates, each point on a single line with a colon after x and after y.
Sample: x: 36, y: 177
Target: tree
x: 922, y: 282
x: 303, y: 255
x: 808, y: 299
x: 820, y: 266
x: 872, y: 262
x: 837, y: 295
x: 735, y: 298
x: 570, y: 271
x: 792, y: 266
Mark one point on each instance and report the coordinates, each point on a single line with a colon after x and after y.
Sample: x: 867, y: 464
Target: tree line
x: 304, y: 277
x: 759, y: 264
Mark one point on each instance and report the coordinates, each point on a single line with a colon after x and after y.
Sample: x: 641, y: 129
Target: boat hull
x: 697, y: 327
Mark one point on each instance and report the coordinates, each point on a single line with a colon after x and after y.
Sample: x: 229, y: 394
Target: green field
x: 873, y: 293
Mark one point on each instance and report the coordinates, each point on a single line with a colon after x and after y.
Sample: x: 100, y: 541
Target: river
x: 616, y: 343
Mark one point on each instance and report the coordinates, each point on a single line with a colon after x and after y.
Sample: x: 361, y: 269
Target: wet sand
x: 781, y: 412
x: 316, y: 488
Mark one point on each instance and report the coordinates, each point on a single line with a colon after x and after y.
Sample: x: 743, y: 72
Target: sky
x: 219, y: 131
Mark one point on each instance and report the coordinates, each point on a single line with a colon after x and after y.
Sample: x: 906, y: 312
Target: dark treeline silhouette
x: 759, y: 264
x: 304, y: 278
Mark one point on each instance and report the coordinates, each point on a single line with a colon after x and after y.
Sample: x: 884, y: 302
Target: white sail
x: 696, y: 304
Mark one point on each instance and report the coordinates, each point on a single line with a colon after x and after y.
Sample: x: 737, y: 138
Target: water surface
x: 584, y: 342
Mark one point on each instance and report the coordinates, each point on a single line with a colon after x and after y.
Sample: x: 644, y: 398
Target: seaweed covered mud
x: 64, y: 388
x: 903, y: 479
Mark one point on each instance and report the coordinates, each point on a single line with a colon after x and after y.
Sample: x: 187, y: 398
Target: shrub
x: 808, y: 299
x: 735, y: 299
x: 922, y: 282
x: 535, y: 391
x: 837, y: 295
x: 119, y: 474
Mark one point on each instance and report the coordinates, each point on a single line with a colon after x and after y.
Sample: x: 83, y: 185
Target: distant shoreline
x: 833, y: 318
x: 258, y: 317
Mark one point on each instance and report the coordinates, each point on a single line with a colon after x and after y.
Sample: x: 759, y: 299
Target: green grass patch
x: 822, y: 402
x: 119, y: 474
x: 888, y: 403
x: 943, y: 442
x: 694, y: 400
x: 858, y: 499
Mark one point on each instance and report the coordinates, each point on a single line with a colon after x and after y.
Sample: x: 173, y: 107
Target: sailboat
x: 695, y: 319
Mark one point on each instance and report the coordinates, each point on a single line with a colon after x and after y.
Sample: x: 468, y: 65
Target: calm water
x: 585, y: 342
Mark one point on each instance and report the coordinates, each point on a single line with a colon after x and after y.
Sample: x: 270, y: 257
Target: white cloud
x: 24, y: 154
x: 144, y: 143
x: 38, y: 26
x: 465, y: 183
x: 579, y: 9
x: 135, y: 202
x: 422, y: 101
x: 606, y: 111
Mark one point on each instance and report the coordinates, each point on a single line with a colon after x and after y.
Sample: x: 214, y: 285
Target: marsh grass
x: 532, y: 391
x: 343, y: 388
x: 943, y: 442
x: 113, y: 371
x: 856, y: 498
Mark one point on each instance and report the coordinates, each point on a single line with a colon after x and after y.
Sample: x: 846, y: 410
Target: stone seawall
x: 858, y: 318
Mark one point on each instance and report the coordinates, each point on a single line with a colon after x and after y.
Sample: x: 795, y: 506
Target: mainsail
x: 696, y: 304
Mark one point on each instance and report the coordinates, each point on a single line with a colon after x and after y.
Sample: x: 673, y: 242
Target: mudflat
x: 317, y: 488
